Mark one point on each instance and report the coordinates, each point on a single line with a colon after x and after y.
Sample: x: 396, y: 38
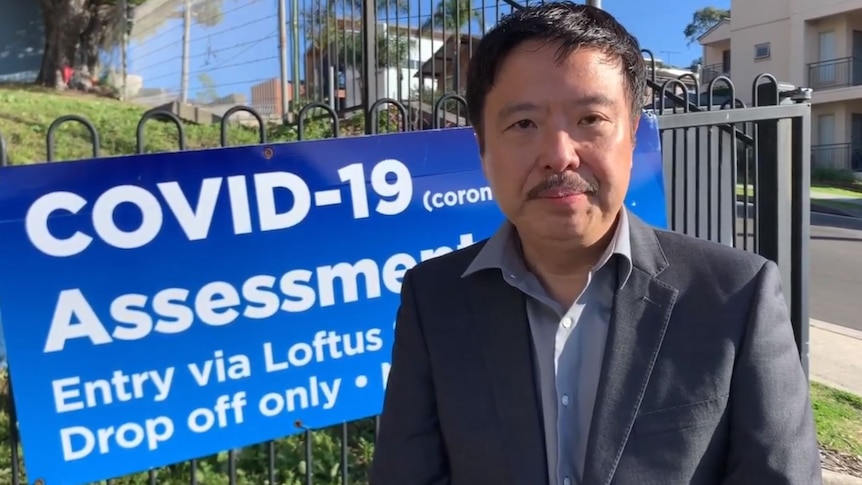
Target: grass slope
x: 839, y: 419
x: 26, y: 113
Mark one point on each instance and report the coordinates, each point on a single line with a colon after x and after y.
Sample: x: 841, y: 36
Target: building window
x: 761, y: 51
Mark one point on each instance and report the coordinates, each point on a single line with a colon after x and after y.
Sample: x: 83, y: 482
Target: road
x: 836, y: 270
x: 835, y: 275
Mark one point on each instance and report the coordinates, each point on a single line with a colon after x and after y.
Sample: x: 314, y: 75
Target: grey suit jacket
x: 701, y: 382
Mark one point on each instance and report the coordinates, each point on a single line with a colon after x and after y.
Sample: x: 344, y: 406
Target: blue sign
x: 163, y: 307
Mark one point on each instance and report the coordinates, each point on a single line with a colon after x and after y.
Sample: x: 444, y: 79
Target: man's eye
x: 590, y: 120
x: 523, y: 124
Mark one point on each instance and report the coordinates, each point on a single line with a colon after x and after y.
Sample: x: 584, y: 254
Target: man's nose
x: 559, y: 152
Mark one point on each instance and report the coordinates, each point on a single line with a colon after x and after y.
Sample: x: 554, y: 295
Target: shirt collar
x: 502, y: 251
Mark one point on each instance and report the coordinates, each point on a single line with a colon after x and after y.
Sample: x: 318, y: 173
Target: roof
x: 725, y: 22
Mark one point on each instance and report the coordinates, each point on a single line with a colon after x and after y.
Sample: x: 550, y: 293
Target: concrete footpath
x: 835, y: 359
x: 835, y: 356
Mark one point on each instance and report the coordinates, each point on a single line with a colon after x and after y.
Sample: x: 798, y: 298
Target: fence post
x: 369, y: 60
x: 282, y: 56
x: 184, y: 72
x: 773, y: 215
x: 778, y: 211
x: 801, y: 233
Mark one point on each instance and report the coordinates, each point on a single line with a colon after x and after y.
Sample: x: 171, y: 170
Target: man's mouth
x: 559, y: 193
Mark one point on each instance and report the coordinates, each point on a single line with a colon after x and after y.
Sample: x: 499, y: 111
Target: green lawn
x: 741, y: 190
x: 835, y: 192
x: 26, y: 115
x: 839, y: 419
x: 841, y: 200
x: 815, y: 189
x: 27, y: 112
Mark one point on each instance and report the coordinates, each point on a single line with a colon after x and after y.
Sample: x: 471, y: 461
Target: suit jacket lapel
x: 641, y: 312
x: 500, y: 316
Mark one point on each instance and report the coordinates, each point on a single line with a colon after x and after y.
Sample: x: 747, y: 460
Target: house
x: 266, y: 97
x: 716, y: 52
x: 447, y: 68
x: 816, y: 45
x: 396, y: 78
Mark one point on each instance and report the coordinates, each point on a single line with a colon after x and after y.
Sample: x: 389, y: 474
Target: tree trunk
x: 91, y: 39
x: 64, y: 21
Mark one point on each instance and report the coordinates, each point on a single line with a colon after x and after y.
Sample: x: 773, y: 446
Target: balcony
x: 835, y: 73
x: 712, y: 71
x: 840, y: 156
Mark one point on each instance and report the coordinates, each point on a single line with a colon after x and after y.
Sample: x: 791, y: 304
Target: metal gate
x: 735, y: 174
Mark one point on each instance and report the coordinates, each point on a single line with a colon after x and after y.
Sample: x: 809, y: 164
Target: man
x: 578, y: 345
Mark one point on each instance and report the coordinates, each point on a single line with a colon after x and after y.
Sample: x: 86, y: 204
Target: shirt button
x: 567, y: 481
x: 565, y: 399
x: 567, y: 322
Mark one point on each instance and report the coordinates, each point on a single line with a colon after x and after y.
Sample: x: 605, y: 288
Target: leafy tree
x: 77, y: 30
x: 454, y: 15
x: 72, y: 27
x: 208, y: 93
x: 702, y: 20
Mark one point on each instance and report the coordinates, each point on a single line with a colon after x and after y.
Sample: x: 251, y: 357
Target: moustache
x: 567, y: 180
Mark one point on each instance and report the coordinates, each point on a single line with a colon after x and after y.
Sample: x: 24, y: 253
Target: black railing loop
x: 691, y: 77
x: 245, y: 109
x: 301, y: 119
x: 440, y: 109
x: 755, y: 89
x: 160, y: 115
x: 676, y: 83
x: 649, y: 59
x: 710, y: 94
x: 374, y: 114
x: 52, y: 130
x: 651, y: 63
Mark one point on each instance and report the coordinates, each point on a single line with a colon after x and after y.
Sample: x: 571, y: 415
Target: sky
x: 242, y: 50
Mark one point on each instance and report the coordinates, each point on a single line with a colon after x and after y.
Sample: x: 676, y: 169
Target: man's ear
x: 635, y: 124
x: 479, y: 147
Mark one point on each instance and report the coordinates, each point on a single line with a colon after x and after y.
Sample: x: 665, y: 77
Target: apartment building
x: 807, y: 44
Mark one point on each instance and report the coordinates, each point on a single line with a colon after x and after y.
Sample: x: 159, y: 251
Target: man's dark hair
x: 567, y: 24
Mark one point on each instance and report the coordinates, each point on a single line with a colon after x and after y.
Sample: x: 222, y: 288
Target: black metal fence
x: 735, y: 174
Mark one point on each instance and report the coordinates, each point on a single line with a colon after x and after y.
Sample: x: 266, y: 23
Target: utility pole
x: 187, y: 32
x: 124, y: 10
x: 369, y: 64
x: 299, y: 87
x: 595, y: 3
x: 282, y: 51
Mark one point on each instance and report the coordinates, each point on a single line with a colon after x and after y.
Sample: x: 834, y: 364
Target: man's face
x: 558, y: 142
